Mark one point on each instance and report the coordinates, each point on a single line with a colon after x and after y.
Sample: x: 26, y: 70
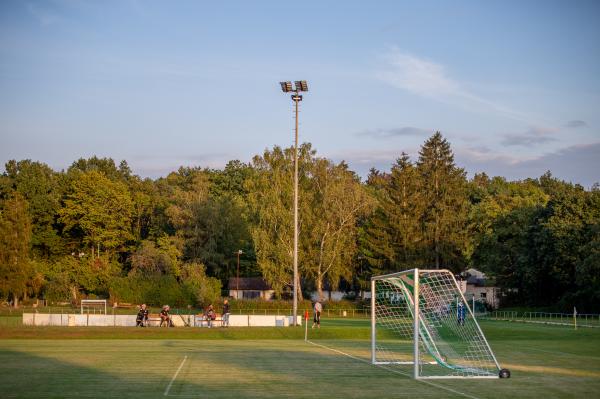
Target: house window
x: 483, y: 295
x: 251, y: 294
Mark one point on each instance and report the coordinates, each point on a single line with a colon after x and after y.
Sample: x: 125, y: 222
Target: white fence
x: 97, y: 320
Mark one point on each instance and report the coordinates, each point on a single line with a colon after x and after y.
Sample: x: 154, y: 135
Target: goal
x: 93, y: 306
x: 421, y: 320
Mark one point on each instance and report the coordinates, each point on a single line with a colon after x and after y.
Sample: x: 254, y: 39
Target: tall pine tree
x: 444, y: 204
x: 15, y: 231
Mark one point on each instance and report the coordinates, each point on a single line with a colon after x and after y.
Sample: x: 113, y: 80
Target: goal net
x: 421, y: 320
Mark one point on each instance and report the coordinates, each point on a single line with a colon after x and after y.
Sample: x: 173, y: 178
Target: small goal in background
x: 93, y: 306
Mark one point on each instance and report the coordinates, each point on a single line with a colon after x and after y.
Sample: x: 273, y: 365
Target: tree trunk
x: 320, y: 287
x: 437, y: 255
x: 74, y: 292
x: 15, y: 301
x: 300, y: 297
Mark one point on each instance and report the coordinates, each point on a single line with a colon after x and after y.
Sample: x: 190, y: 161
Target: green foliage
x: 422, y: 212
x: 444, y: 205
x: 40, y: 186
x: 337, y: 202
x: 98, y: 228
x: 154, y: 290
x: 331, y: 201
x: 70, y: 277
x: 546, y: 247
x: 195, y: 288
x: 271, y: 199
x: 157, y: 258
x: 16, y: 270
x: 203, y: 289
x: 97, y: 211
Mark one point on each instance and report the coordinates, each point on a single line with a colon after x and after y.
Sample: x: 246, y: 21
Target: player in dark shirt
x: 142, y: 316
x: 210, y: 315
x: 165, y: 317
x: 226, y: 312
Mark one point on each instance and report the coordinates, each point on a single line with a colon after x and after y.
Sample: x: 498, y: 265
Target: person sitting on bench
x: 165, y: 317
x: 142, y: 316
x: 210, y: 315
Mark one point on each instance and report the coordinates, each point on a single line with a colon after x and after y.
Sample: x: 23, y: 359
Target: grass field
x: 54, y: 362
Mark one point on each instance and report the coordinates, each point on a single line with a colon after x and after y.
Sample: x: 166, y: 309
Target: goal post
x: 421, y: 320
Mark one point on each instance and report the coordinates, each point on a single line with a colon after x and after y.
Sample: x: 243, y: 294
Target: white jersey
x: 318, y: 307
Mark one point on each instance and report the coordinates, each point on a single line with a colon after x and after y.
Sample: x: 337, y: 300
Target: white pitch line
x: 395, y: 371
x: 175, y: 376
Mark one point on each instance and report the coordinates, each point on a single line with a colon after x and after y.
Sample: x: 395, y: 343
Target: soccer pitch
x: 546, y: 361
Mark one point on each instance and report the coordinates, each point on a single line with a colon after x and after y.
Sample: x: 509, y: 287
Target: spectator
x: 210, y: 315
x: 226, y: 312
x: 142, y: 316
x: 165, y: 317
x: 318, y: 308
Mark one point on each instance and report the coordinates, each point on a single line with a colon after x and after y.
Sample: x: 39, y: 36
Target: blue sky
x: 513, y: 85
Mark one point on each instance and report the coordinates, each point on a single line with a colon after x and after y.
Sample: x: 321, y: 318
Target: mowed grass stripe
x: 283, y: 370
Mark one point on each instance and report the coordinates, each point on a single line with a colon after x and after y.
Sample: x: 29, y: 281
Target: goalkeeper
x: 460, y: 314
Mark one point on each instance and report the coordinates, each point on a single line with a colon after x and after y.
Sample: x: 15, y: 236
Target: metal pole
x: 237, y: 282
x: 296, y: 100
x: 373, y: 331
x: 416, y: 325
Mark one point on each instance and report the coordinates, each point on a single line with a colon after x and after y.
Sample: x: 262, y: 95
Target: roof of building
x: 248, y: 283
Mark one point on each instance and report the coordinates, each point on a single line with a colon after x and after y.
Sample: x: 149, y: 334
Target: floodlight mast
x: 286, y: 87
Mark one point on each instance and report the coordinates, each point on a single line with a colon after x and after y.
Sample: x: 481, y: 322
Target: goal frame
x: 416, y: 318
x: 87, y: 303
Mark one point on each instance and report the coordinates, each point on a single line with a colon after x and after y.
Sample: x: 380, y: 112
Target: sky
x: 514, y: 86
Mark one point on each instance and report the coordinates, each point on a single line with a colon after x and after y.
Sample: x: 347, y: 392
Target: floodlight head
x: 286, y: 86
x: 301, y: 85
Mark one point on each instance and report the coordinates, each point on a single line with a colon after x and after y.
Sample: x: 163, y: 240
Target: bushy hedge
x: 153, y: 290
x: 159, y: 290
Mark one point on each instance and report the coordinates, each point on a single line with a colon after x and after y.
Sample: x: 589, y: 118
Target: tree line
x: 97, y: 229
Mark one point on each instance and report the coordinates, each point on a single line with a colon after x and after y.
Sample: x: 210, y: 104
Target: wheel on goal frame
x: 504, y: 373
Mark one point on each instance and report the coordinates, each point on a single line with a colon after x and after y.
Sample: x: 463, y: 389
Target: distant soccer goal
x: 93, y: 306
x: 421, y: 320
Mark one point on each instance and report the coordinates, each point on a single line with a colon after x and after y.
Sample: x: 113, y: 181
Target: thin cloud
x: 577, y: 164
x: 534, y: 136
x: 431, y: 80
x: 395, y: 132
x: 576, y: 123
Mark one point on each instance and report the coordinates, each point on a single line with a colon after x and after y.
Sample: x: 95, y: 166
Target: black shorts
x: 317, y: 318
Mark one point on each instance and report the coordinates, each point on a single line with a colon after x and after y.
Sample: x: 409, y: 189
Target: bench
x: 155, y: 318
x: 200, y: 320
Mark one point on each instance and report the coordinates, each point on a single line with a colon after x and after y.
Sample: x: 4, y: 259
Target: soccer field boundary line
x: 466, y: 395
x: 175, y: 376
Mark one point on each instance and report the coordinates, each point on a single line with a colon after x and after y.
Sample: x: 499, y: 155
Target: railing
x: 567, y: 319
x: 583, y: 319
x: 502, y: 315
